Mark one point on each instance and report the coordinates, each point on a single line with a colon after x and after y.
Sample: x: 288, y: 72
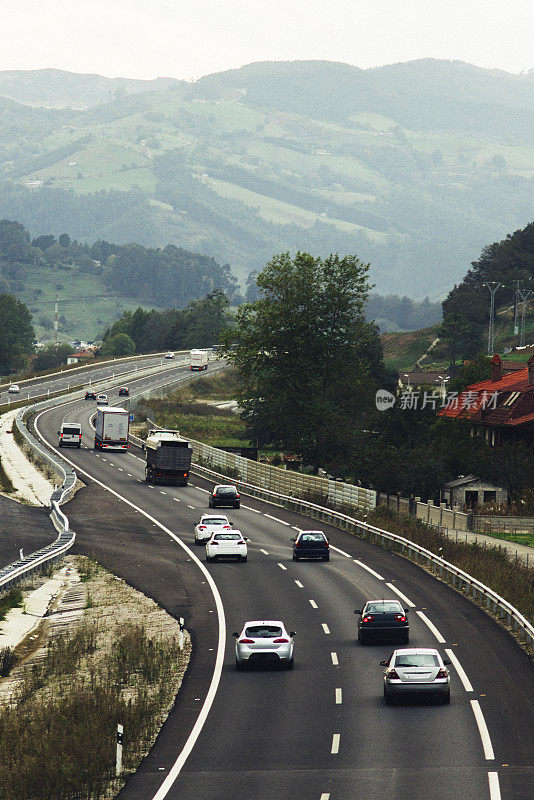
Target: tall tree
x: 309, y: 362
x: 16, y: 334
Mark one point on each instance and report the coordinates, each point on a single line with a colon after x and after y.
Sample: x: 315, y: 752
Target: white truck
x: 199, y: 359
x: 168, y: 457
x: 111, y: 429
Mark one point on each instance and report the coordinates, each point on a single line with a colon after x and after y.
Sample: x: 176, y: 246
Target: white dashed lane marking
x: 255, y: 510
x: 325, y: 627
x: 339, y: 697
x: 341, y: 552
x: 361, y: 564
x: 299, y: 584
x: 401, y: 595
x: 335, y: 660
x: 281, y: 521
x: 483, y: 730
x: 313, y: 604
x: 494, y: 786
x: 460, y: 671
x: 430, y: 625
x: 191, y: 507
x: 282, y: 566
x: 265, y: 552
x: 335, y: 743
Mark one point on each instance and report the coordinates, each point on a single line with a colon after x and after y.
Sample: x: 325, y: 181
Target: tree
x: 458, y: 332
x: 206, y: 319
x: 52, y: 356
x: 14, y: 240
x: 119, y: 345
x: 16, y: 334
x: 309, y: 363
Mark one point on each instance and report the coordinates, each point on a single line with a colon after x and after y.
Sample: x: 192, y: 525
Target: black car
x: 124, y: 391
x: 383, y: 618
x: 90, y: 395
x: 311, y: 544
x: 224, y: 496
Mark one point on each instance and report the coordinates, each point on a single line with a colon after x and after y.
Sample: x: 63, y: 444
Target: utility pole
x: 516, y: 310
x: 56, y: 312
x: 493, y: 287
x: 524, y: 297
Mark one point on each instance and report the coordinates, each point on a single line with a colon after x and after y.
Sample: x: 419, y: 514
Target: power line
x: 493, y: 287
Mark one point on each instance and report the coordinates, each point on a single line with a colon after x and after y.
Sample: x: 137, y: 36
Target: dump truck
x: 168, y: 457
x: 111, y: 429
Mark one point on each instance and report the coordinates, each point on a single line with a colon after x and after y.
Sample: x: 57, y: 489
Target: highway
x: 322, y: 731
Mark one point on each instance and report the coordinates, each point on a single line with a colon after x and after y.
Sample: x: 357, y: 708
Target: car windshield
x: 227, y: 537
x: 226, y: 491
x: 417, y: 660
x: 384, y: 608
x: 263, y: 632
x: 215, y: 521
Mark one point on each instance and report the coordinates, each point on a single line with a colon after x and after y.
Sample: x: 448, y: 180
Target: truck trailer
x: 199, y: 359
x: 168, y: 458
x: 111, y: 429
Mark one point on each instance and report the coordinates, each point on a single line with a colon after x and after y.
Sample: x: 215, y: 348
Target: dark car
x: 311, y: 544
x: 224, y: 496
x: 90, y: 395
x: 124, y: 391
x: 381, y: 619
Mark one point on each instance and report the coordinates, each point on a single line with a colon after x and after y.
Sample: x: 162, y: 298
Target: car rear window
x: 263, y: 632
x: 227, y: 537
x: 226, y: 492
x: 215, y: 521
x: 71, y: 431
x: 417, y: 660
x: 312, y: 537
x: 384, y: 608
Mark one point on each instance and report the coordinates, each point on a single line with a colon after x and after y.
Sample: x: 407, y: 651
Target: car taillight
x: 237, y: 494
x: 227, y: 527
x: 400, y: 618
x: 202, y: 527
x: 246, y: 641
x: 242, y: 541
x: 281, y: 641
x: 369, y: 618
x: 442, y: 673
x: 392, y: 673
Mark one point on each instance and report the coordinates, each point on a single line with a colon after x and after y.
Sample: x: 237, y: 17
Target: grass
x: 5, y: 481
x: 13, y: 599
x: 401, y: 350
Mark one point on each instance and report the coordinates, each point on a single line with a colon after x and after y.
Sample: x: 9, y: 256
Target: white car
x: 102, y: 400
x: 170, y: 354
x: 14, y: 388
x: 264, y: 641
x: 209, y: 524
x: 227, y: 544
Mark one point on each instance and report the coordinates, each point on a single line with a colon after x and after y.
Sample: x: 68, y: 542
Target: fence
x: 438, y: 516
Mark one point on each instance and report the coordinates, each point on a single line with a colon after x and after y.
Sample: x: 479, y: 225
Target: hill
x: 414, y: 167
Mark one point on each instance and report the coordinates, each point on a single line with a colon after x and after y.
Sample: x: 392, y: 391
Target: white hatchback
x: 209, y: 524
x: 102, y: 400
x: 227, y: 544
x: 14, y: 388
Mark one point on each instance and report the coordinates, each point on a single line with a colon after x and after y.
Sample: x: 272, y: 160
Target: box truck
x: 199, y: 359
x: 168, y: 457
x: 111, y: 429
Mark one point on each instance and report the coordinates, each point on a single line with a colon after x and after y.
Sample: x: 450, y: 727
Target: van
x: 70, y: 434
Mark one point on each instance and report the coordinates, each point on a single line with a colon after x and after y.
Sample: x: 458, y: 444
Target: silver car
x: 264, y: 642
x: 416, y: 671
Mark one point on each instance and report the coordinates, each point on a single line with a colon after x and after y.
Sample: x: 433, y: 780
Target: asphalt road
x: 323, y: 730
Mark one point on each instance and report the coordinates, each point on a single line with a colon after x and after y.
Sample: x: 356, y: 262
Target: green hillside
x: 414, y: 167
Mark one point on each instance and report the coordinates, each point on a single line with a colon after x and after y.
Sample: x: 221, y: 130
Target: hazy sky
x: 190, y: 38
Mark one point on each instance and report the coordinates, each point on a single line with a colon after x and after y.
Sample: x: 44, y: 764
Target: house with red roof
x: 501, y: 408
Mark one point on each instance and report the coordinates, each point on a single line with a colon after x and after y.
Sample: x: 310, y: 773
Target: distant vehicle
x: 168, y: 458
x: 227, y: 544
x: 124, y: 391
x: 209, y: 524
x: 111, y: 429
x: 90, y: 395
x: 102, y: 399
x: 198, y: 359
x: 416, y: 671
x: 224, y: 496
x: 170, y: 354
x: 264, y: 641
x: 14, y: 388
x: 383, y: 618
x: 311, y: 544
x: 70, y: 434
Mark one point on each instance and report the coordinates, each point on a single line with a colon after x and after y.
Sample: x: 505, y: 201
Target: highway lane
x: 271, y: 733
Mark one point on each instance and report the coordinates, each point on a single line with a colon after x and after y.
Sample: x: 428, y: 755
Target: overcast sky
x: 190, y: 38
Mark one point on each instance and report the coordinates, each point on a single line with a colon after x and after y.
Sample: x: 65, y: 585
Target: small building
x: 469, y: 491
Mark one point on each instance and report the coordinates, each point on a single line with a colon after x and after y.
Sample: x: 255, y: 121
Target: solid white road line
x: 250, y: 509
x: 335, y: 660
x: 325, y: 627
x: 265, y: 552
x: 361, y: 564
x: 483, y: 730
x: 431, y: 627
x: 339, y: 697
x: 494, y: 786
x: 400, y: 594
x: 282, y: 566
x: 335, y: 743
x: 342, y: 552
x: 313, y: 604
x: 460, y: 670
x: 221, y: 642
x: 299, y: 584
x: 281, y: 521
